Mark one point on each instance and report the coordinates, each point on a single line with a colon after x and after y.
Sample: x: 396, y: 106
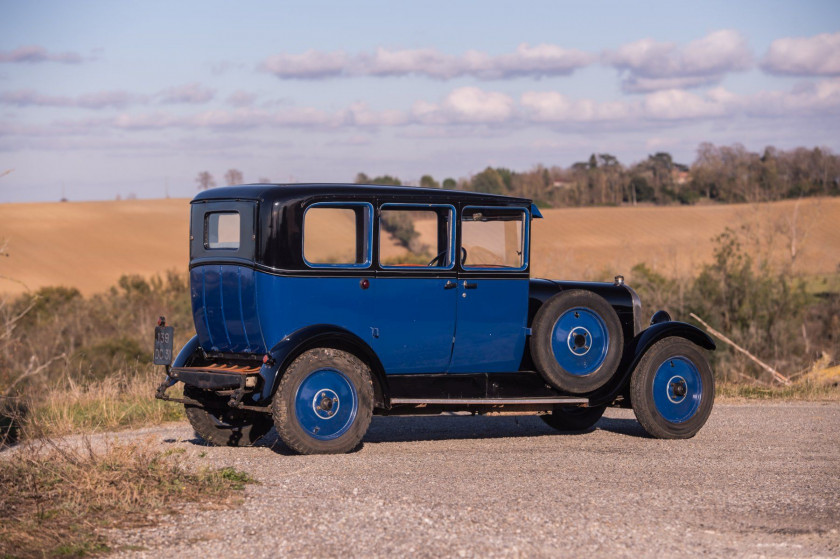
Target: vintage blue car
x: 319, y: 305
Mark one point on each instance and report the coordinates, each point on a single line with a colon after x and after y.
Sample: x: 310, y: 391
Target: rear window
x: 336, y: 234
x: 221, y: 230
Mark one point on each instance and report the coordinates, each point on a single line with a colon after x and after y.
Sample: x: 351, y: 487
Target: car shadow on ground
x: 448, y: 427
x: 399, y: 429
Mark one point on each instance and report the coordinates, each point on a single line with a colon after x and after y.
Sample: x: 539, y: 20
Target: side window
x: 416, y: 236
x: 337, y: 235
x: 492, y: 238
x: 221, y: 230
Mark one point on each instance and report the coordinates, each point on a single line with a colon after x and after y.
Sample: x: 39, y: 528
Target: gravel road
x: 760, y: 480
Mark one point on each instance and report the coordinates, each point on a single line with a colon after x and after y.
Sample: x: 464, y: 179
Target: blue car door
x: 415, y: 288
x: 492, y: 300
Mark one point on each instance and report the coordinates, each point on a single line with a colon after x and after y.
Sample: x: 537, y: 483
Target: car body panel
x: 409, y: 324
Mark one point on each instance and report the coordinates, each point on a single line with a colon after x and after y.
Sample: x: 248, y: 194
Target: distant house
x: 680, y: 174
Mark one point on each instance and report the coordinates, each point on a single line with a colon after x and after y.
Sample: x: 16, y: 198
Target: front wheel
x: 324, y: 402
x: 672, y: 389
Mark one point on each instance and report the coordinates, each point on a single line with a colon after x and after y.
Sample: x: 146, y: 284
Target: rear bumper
x: 217, y: 377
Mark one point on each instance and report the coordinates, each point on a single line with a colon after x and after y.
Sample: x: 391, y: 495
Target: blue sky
x: 100, y: 99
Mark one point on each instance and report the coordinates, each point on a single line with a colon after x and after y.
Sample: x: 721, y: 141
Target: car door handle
x: 450, y: 285
x: 468, y: 285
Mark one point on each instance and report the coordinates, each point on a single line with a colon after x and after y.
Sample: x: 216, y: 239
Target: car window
x: 336, y: 235
x: 221, y: 230
x: 492, y: 238
x: 411, y: 236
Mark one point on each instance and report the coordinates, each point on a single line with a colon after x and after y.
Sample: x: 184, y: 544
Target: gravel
x: 760, y: 480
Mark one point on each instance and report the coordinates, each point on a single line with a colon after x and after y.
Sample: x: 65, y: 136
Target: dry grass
x: 820, y: 383
x: 57, y: 499
x: 799, y: 391
x: 122, y: 401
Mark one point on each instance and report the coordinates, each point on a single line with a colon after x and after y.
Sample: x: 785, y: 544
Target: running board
x: 488, y: 401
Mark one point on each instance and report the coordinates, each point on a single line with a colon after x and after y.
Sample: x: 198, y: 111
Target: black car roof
x: 281, y: 192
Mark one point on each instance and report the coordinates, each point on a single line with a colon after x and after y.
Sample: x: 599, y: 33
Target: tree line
x: 728, y: 174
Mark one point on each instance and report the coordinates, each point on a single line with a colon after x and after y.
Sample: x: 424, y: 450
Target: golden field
x: 89, y: 245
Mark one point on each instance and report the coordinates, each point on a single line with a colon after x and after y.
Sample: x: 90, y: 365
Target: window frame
x: 413, y: 206
x: 526, y: 228
x: 206, y: 240
x: 367, y: 235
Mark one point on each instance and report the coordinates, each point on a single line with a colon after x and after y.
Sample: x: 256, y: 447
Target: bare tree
x: 205, y: 180
x: 233, y: 176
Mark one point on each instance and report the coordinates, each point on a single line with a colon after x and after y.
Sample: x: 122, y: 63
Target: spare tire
x: 576, y: 341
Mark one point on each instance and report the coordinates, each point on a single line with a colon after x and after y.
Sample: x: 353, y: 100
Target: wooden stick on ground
x: 777, y: 376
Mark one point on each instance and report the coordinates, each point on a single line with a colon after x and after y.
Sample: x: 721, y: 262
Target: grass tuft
x: 801, y: 391
x: 57, y: 499
x: 122, y: 401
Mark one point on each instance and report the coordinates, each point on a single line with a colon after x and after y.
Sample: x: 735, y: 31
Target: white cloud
x: 813, y: 99
x: 34, y: 53
x: 98, y: 100
x: 311, y: 64
x: 638, y: 84
x: 677, y: 104
x: 149, y: 121
x: 650, y: 65
x: 191, y: 93
x: 468, y: 105
x: 804, y: 56
x: 533, y: 61
x: 551, y: 106
x: 241, y: 98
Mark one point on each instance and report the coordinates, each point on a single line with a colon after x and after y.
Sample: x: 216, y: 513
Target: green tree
x: 427, y: 181
x: 386, y: 180
x: 488, y: 181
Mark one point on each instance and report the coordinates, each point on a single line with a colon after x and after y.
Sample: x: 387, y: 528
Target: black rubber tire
x: 542, y: 330
x: 641, y: 389
x: 283, y: 404
x: 221, y: 425
x: 568, y: 418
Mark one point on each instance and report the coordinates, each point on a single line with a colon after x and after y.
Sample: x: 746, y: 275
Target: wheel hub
x: 677, y: 389
x: 326, y: 403
x: 580, y: 340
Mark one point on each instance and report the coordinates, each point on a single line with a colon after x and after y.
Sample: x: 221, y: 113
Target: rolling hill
x: 88, y: 245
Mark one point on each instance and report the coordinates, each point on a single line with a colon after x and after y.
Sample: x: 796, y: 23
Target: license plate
x: 163, y: 344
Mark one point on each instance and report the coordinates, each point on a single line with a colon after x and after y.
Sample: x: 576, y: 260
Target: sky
x: 108, y: 99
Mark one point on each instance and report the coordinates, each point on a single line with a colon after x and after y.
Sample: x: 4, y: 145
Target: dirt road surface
x: 761, y: 480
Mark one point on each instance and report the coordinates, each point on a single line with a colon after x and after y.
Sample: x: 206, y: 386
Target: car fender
x: 636, y: 349
x: 656, y: 332
x: 319, y: 335
x: 187, y: 351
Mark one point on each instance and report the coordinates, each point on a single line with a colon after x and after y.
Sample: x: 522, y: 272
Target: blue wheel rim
x: 579, y: 341
x: 326, y: 404
x: 677, y: 389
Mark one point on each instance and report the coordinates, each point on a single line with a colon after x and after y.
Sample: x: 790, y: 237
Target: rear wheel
x: 324, y: 402
x: 568, y: 418
x: 672, y: 389
x: 220, y: 425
